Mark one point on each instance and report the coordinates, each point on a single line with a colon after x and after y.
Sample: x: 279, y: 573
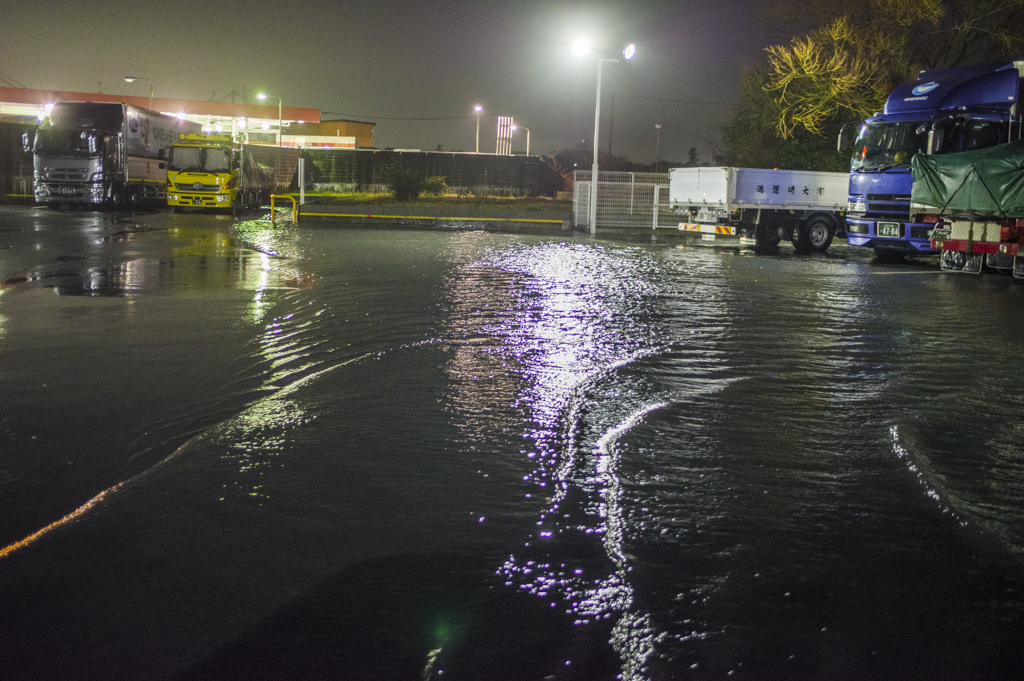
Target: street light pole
x: 519, y: 127
x: 657, y: 147
x: 280, y: 129
x: 581, y: 48
x: 593, y: 174
x: 478, y: 109
x: 132, y: 79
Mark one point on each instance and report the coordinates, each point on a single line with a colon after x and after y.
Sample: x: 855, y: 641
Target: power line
x: 10, y: 81
x: 398, y: 118
x: 521, y: 112
x: 676, y: 101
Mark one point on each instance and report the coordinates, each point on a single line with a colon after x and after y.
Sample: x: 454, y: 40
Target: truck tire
x: 815, y: 235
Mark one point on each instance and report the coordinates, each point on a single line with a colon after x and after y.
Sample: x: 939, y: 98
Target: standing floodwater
x: 237, y: 450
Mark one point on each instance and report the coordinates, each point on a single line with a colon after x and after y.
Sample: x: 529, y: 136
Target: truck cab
x: 944, y: 111
x: 203, y: 172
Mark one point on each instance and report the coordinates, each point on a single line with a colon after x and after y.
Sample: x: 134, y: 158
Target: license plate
x: 707, y: 237
x: 67, y: 190
x: 888, y: 229
x: 197, y: 202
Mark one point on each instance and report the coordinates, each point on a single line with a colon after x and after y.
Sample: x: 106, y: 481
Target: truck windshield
x: 57, y: 142
x: 199, y: 159
x: 883, y: 145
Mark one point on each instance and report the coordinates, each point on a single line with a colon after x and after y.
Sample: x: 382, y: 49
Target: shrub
x: 406, y: 183
x: 434, y: 184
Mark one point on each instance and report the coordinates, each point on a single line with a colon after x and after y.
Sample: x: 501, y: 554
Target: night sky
x: 415, y: 68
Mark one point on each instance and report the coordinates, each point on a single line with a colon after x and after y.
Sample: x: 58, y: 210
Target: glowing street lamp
x: 581, y: 48
x: 519, y: 127
x: 280, y: 130
x: 132, y: 79
x: 478, y: 109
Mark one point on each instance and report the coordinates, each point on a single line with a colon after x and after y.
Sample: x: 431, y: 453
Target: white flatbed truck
x: 760, y: 206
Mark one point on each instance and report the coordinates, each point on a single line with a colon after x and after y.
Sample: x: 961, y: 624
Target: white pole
x: 593, y: 177
x: 657, y: 200
x: 657, y: 152
x: 302, y: 180
x: 632, y: 182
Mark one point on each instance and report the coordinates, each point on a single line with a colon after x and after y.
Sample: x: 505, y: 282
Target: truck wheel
x: 814, y: 235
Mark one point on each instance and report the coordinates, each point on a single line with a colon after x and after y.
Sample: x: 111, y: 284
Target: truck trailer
x: 943, y: 111
x: 976, y: 200
x: 101, y: 153
x: 760, y: 206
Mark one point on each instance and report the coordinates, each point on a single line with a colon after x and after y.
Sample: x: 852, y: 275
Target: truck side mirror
x: 845, y: 134
x: 937, y: 134
x: 26, y: 142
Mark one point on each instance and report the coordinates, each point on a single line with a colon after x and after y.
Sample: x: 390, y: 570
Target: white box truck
x: 759, y: 205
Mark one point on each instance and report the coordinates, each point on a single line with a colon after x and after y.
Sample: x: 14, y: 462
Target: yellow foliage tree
x: 846, y: 67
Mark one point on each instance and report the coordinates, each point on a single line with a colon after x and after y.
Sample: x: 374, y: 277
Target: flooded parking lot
x: 232, y: 449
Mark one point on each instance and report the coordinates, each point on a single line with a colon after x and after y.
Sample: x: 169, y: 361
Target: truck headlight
x: 96, y: 177
x: 857, y: 207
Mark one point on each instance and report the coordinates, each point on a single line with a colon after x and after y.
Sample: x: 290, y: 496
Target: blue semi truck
x: 943, y: 111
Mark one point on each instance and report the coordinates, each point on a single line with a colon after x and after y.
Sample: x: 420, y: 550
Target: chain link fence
x: 624, y: 200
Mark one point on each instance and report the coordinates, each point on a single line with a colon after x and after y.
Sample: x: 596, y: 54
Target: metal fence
x: 630, y: 200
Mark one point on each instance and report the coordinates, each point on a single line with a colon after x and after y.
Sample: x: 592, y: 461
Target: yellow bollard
x: 295, y: 207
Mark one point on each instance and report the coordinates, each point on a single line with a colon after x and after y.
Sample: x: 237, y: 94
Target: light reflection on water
x: 566, y: 319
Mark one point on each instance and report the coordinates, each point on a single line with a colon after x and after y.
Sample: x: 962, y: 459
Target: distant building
x: 362, y: 131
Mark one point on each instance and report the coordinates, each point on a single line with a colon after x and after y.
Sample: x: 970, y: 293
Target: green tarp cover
x: 981, y: 181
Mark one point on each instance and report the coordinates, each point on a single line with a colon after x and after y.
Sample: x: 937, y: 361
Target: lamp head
x: 478, y: 108
x: 580, y: 47
x: 261, y: 96
x: 629, y: 51
x: 129, y: 79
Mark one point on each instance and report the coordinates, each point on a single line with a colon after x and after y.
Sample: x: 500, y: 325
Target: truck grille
x: 196, y: 187
x: 67, y: 174
x: 887, y: 204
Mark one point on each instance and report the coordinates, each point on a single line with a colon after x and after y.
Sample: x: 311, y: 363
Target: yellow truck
x: 204, y: 170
